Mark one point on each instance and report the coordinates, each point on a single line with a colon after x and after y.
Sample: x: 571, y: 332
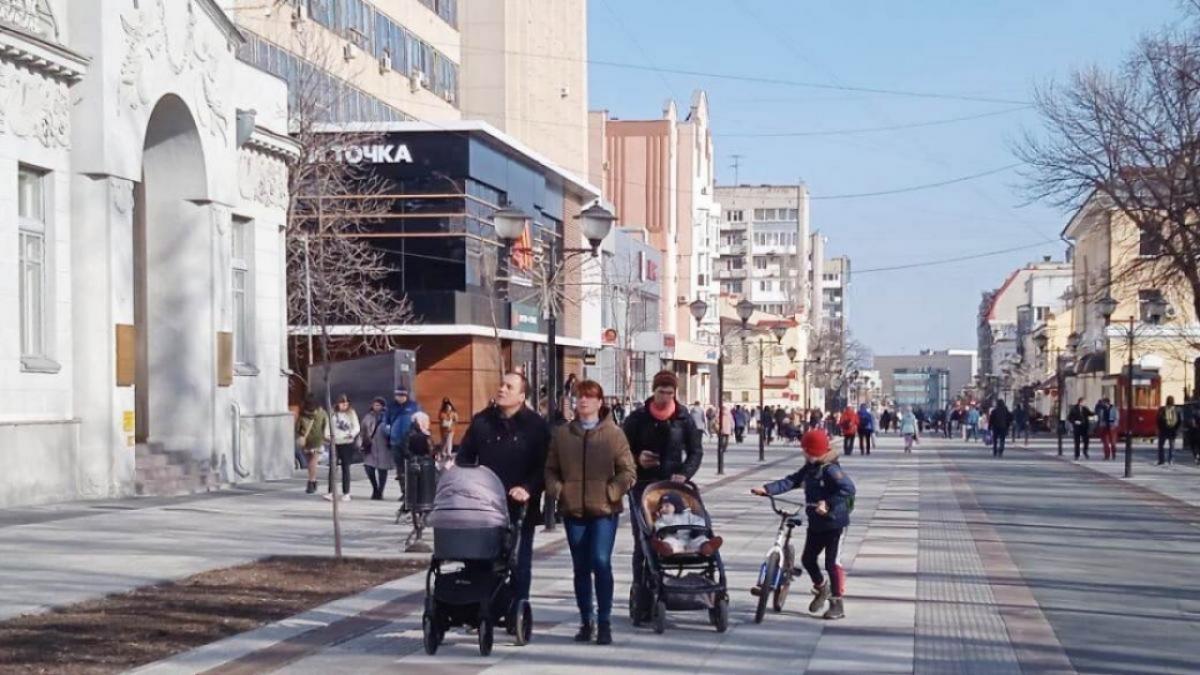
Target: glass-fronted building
x: 476, y: 308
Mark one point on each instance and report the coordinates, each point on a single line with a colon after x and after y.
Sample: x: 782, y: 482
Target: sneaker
x: 311, y: 488
x: 711, y: 546
x: 328, y: 496
x: 345, y: 498
x: 604, y: 633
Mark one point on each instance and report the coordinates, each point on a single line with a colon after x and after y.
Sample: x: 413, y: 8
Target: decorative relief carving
x: 32, y: 16
x: 189, y: 55
x: 34, y: 106
x: 263, y: 179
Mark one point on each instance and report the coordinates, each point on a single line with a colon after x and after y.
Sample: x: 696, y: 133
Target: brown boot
x: 711, y: 546
x: 662, y: 548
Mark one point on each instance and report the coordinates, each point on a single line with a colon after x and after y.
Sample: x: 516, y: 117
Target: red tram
x: 1147, y: 394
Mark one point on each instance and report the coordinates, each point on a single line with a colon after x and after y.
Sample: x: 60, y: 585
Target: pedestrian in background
x: 998, y: 424
x: 447, y: 418
x: 312, y: 430
x: 617, y: 411
x: 739, y: 423
x: 1020, y: 418
x: 909, y: 428
x: 377, y: 454
x: 1107, y: 419
x: 848, y: 424
x: 698, y: 418
x: 724, y: 427
x: 971, y: 429
x: 1080, y: 418
x: 399, y: 420
x: 666, y: 445
x: 866, y: 428
x: 589, y: 469
x: 1168, y: 421
x: 345, y: 441
x: 766, y: 423
x: 885, y: 420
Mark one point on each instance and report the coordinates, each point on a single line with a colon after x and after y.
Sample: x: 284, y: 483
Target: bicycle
x: 775, y: 575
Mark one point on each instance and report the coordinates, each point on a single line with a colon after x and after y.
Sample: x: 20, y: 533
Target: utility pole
x: 737, y: 165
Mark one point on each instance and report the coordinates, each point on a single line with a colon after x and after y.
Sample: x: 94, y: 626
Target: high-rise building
x: 834, y: 284
x: 659, y: 176
x: 764, y: 245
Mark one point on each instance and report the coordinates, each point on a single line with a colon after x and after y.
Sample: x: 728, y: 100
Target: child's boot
x: 822, y: 595
x: 835, y: 610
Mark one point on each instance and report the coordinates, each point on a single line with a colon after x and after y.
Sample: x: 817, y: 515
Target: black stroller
x: 680, y: 582
x: 471, y: 526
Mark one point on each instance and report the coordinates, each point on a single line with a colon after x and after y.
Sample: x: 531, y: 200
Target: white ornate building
x: 142, y: 202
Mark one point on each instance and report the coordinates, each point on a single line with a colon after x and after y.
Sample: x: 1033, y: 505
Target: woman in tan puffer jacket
x: 589, y: 468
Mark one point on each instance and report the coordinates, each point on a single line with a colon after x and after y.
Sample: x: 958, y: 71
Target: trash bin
x: 420, y: 484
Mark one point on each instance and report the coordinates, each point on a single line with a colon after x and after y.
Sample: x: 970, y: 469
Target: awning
x: 1091, y: 363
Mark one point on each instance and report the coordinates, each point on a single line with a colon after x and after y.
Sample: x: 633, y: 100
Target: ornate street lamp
x: 596, y: 222
x: 698, y: 308
x: 745, y: 309
x: 791, y: 354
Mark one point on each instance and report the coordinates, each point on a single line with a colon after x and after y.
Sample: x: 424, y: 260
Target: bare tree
x: 631, y: 312
x: 1129, y: 140
x: 335, y: 277
x: 837, y: 356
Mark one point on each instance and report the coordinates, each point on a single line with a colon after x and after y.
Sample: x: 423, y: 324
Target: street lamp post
x: 698, y: 309
x: 778, y: 331
x: 1060, y: 359
x: 511, y: 223
x: 1156, y: 309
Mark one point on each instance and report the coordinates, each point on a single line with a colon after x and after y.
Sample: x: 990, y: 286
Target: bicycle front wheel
x: 769, y: 580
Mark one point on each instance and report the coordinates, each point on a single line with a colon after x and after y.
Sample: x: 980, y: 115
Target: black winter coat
x: 514, y: 448
x: 676, y: 440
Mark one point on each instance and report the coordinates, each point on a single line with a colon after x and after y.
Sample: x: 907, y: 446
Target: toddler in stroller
x: 682, y: 569
x: 471, y: 526
x: 679, y: 530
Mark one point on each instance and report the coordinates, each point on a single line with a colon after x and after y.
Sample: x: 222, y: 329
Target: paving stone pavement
x: 957, y: 563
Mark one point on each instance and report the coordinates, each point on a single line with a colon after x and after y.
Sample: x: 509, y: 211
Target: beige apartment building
x: 1107, y: 247
x: 659, y: 175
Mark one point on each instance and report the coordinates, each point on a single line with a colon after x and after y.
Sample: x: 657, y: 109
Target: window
x: 1145, y: 297
x: 1149, y: 241
x: 31, y: 213
x: 1040, y: 313
x: 241, y: 262
x: 734, y: 216
x: 760, y: 262
x: 745, y: 396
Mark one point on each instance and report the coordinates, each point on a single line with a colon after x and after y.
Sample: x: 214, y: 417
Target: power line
x: 948, y: 261
x: 864, y: 130
x: 784, y: 82
x: 914, y: 188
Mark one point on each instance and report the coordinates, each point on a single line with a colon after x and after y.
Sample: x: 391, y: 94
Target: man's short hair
x: 521, y: 377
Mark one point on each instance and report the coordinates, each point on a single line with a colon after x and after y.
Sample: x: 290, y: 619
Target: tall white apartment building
x: 835, y: 281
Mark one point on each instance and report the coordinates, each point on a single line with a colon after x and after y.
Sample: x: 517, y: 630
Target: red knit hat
x: 815, y: 443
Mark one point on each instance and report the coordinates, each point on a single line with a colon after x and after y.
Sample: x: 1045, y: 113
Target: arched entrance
x: 173, y: 287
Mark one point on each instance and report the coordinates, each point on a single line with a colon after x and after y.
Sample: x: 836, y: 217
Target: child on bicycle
x: 829, y: 495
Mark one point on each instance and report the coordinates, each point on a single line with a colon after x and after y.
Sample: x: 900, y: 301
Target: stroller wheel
x: 523, y: 626
x: 485, y: 637
x: 660, y: 617
x: 719, y: 614
x: 429, y: 629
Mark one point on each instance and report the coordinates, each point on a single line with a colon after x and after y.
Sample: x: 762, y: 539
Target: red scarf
x: 663, y: 413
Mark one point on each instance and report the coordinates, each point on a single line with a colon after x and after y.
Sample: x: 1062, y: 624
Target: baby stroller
x: 680, y: 582
x: 471, y: 526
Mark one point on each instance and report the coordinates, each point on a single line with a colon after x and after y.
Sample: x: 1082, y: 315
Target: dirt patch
x: 130, y: 629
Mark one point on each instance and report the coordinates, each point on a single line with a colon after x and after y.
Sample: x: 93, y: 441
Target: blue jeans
x: 591, y: 541
x: 522, y: 576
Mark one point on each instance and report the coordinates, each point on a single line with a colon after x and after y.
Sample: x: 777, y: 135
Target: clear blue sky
x: 996, y: 50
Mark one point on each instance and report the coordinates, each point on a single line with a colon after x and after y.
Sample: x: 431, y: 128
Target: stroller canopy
x: 469, y: 497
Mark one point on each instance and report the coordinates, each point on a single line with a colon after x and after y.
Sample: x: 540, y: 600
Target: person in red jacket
x: 848, y: 424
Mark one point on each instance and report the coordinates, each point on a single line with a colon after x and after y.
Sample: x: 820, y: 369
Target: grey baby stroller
x: 679, y: 582
x: 470, y: 578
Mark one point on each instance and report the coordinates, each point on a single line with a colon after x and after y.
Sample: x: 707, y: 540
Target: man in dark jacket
x: 511, y: 440
x: 399, y: 421
x: 829, y: 495
x: 1168, y: 421
x: 766, y: 424
x: 1080, y: 418
x: 999, y: 421
x: 666, y: 445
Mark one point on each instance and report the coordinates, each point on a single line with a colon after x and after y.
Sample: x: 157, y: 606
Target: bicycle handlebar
x: 782, y: 513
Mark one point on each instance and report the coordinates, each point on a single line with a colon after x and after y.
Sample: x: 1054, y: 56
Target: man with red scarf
x: 666, y: 446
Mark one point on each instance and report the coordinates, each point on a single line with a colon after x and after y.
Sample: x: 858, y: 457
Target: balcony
x: 731, y: 249
x: 727, y: 226
x: 731, y: 274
